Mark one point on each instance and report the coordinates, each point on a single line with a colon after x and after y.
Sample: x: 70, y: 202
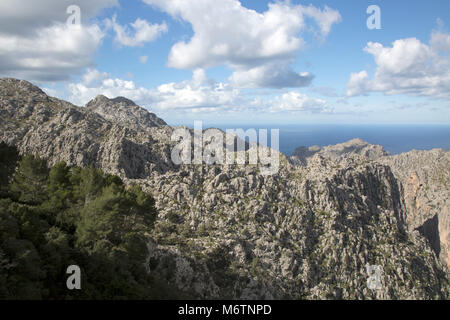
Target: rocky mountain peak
x: 101, y: 100
x: 11, y: 87
x: 354, y: 147
x: 124, y: 111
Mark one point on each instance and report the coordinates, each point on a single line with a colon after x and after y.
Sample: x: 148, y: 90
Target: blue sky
x: 219, y: 61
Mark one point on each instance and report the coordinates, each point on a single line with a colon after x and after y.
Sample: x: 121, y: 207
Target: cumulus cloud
x: 144, y: 32
x: 295, y: 101
x: 37, y: 44
x: 54, y: 53
x: 252, y: 43
x: 199, y: 94
x: 358, y: 84
x: 270, y: 76
x: 324, y: 18
x: 94, y: 82
x: 23, y: 17
x: 407, y: 67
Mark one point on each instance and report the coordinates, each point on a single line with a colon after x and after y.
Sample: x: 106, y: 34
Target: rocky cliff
x: 227, y: 231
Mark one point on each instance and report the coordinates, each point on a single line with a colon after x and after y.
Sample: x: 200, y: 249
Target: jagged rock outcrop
x: 130, y: 143
x: 228, y: 231
x: 424, y: 177
x: 339, y: 151
x: 125, y: 112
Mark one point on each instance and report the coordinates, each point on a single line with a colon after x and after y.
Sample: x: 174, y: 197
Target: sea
x: 394, y: 138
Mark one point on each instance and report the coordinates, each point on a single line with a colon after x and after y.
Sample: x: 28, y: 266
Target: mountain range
x: 310, y: 231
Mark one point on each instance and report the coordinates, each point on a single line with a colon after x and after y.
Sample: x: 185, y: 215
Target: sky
x: 239, y: 62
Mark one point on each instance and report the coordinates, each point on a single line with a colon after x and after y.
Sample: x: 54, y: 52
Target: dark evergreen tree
x: 9, y: 157
x: 31, y: 180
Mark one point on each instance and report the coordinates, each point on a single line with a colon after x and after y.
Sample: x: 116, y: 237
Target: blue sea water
x: 394, y: 138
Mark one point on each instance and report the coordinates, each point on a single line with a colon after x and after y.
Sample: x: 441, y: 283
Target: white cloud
x: 295, y: 101
x: 24, y: 17
x: 324, y: 18
x: 251, y: 43
x: 199, y: 94
x: 54, y: 53
x: 37, y: 44
x: 93, y: 78
x: 271, y: 75
x: 143, y: 32
x: 94, y: 83
x: 358, y: 84
x: 407, y: 67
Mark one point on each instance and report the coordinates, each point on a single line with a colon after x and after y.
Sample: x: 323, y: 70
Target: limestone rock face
x: 425, y: 177
x: 312, y: 230
x: 124, y: 111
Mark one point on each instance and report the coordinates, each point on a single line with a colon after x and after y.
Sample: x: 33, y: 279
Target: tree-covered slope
x: 51, y: 218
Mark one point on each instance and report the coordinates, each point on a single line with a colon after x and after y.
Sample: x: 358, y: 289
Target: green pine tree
x: 31, y: 180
